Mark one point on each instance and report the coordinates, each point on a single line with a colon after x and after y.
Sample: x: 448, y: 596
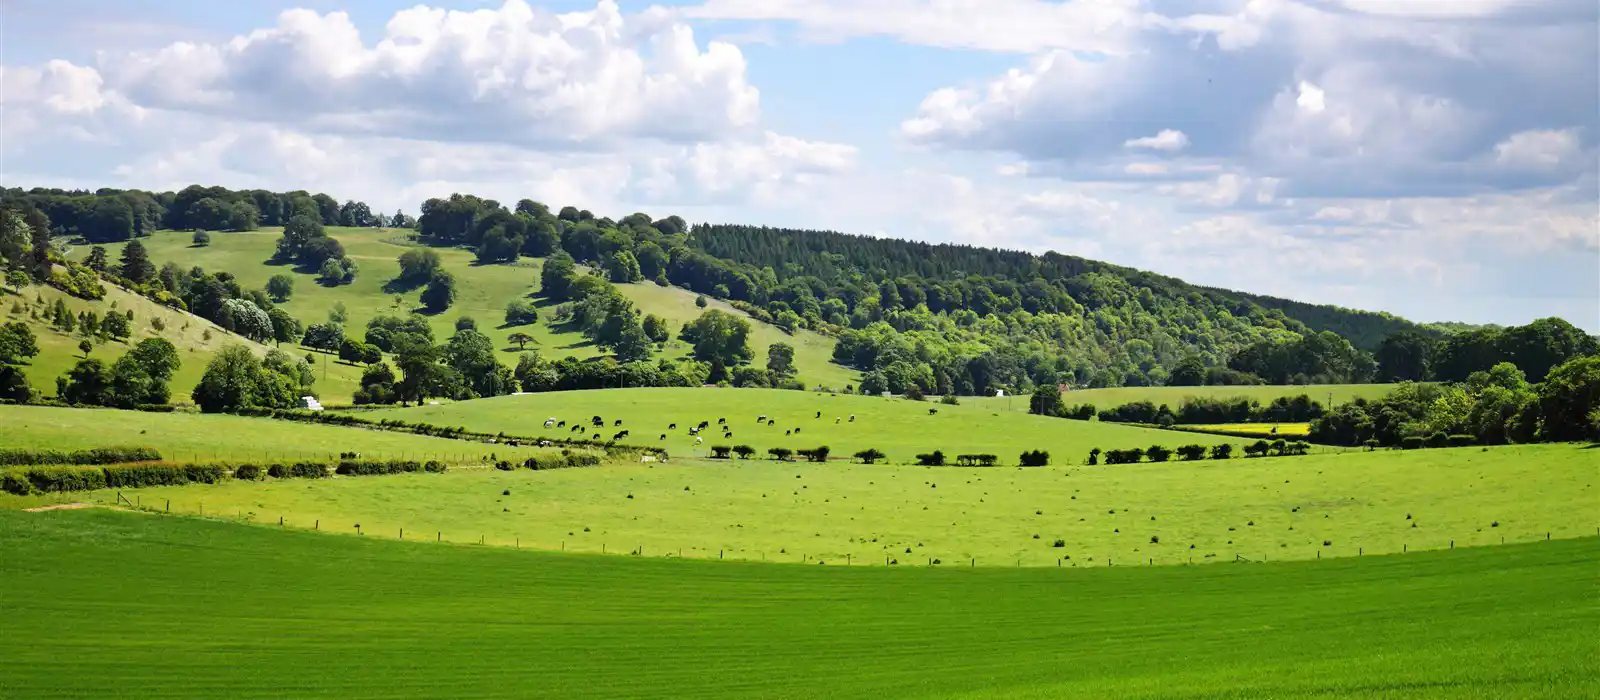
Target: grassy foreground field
x: 102, y: 603
x: 196, y: 437
x: 1288, y: 431
x: 482, y: 293
x: 1339, y: 505
x: 900, y: 428
x: 1174, y: 395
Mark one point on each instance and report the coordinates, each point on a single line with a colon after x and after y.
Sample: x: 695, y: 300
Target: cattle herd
x: 694, y: 432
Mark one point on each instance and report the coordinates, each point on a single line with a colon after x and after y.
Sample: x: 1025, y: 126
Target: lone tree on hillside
x: 521, y: 339
x: 280, y: 288
x: 136, y: 265
x: 441, y: 292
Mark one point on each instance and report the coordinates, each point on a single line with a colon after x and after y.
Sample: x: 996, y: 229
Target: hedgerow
x: 98, y: 455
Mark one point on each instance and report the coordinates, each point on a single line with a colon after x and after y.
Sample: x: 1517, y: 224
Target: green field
x: 102, y: 603
x: 196, y: 437
x: 900, y: 428
x: 1174, y: 395
x: 1265, y: 430
x: 482, y: 293
x: 1273, y: 508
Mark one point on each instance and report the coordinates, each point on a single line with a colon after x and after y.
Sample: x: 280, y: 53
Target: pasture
x: 482, y: 293
x: 101, y: 602
x: 900, y: 428
x: 1320, y: 506
x: 198, y: 437
x: 1174, y: 395
x: 1267, y: 431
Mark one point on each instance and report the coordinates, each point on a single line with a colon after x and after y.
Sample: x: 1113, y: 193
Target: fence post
x: 317, y: 525
x: 1452, y: 544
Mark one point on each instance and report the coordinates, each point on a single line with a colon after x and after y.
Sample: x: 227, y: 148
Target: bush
x: 815, y: 454
x: 247, y: 472
x: 393, y: 466
x: 201, y: 239
x: 1412, y: 442
x: 1058, y: 544
x: 1223, y: 451
x: 144, y: 475
x: 869, y: 455
x: 16, y: 483
x: 744, y: 451
x: 720, y: 451
x: 433, y: 467
x: 1035, y: 458
x: 99, y: 455
x: 1462, y: 440
x: 1157, y: 453
x: 60, y: 479
x: 782, y: 454
x: 308, y: 470
x: 1191, y: 453
x: 931, y: 459
x: 977, y: 460
x: 949, y: 400
x: 1439, y: 439
x: 1094, y: 456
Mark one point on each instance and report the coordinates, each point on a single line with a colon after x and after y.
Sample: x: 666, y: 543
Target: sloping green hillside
x: 482, y: 293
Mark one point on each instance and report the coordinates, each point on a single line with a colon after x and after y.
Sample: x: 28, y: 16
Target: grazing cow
x: 762, y: 418
x: 673, y: 426
x: 786, y: 432
x: 819, y: 414
x: 596, y: 436
x: 550, y: 422
x: 836, y: 420
x: 698, y: 440
x: 597, y: 421
x: 796, y: 431
x: 771, y: 423
x: 544, y: 443
x: 704, y: 424
x: 722, y: 421
x: 852, y: 418
x: 561, y: 424
x: 618, y: 436
x: 729, y: 434
x: 618, y: 423
x: 575, y: 429
x: 663, y: 436
x: 933, y: 411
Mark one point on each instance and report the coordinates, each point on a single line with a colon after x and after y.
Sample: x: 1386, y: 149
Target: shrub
x: 815, y: 454
x: 134, y: 476
x: 720, y: 451
x: 1298, y: 447
x: 869, y: 455
x: 744, y: 451
x: 931, y: 459
x: 949, y: 400
x: 1439, y: 439
x: 502, y: 465
x: 1412, y: 442
x: 1035, y: 458
x: 201, y: 239
x: 59, y: 479
x: 1462, y: 440
x: 1157, y: 453
x: 1223, y: 451
x: 434, y: 467
x: 1192, y: 453
x: 308, y: 470
x: 204, y: 473
x: 247, y: 472
x: 1094, y: 456
x: 1058, y: 544
x: 16, y: 483
x: 782, y: 454
x: 98, y: 455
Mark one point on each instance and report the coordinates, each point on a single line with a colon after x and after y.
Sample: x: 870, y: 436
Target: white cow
x: 699, y: 440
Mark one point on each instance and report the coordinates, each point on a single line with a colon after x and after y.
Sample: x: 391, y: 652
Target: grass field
x: 1274, y: 509
x: 101, y: 603
x: 1174, y: 395
x: 1265, y: 430
x: 482, y: 293
x: 200, y: 437
x: 900, y: 428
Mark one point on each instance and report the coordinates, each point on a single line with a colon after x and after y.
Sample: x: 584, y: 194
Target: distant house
x: 310, y: 403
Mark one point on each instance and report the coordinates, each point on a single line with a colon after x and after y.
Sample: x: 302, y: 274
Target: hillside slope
x: 482, y: 293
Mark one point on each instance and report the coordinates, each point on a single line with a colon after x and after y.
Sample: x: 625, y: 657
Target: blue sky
x: 1439, y: 159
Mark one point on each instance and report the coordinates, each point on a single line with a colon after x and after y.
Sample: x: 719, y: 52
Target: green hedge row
x: 99, y: 455
x: 61, y: 479
x: 551, y: 462
x: 451, y: 432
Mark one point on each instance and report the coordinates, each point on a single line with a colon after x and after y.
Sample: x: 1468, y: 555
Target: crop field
x: 100, y: 602
x: 196, y: 437
x: 482, y: 293
x: 1174, y: 395
x: 900, y: 428
x: 1319, y: 506
x: 1265, y: 430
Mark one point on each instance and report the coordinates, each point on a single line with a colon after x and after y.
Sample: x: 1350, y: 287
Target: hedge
x: 54, y: 480
x: 444, y: 431
x: 98, y: 455
x: 248, y: 472
x: 931, y: 459
x: 978, y: 460
x: 352, y: 467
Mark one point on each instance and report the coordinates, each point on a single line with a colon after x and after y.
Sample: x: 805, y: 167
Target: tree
x: 719, y: 338
x: 97, y: 259
x: 298, y: 233
x: 115, y: 326
x: 377, y: 385
x: 623, y: 267
x: 17, y: 343
x: 632, y: 345
x: 347, y: 270
x: 87, y: 383
x: 1190, y: 371
x: 555, y: 278
x: 1046, y: 400
x: 232, y: 381
x: 285, y: 328
x: 280, y: 287
x: 700, y: 300
x: 441, y: 292
x: 18, y: 279
x: 471, y: 354
x: 417, y: 266
x: 521, y: 339
x: 655, y: 328
x: 1405, y: 357
x: 136, y: 265
x: 338, y: 314
x: 324, y: 336
x: 780, y: 360
x: 357, y: 352
x: 247, y: 319
x: 200, y: 239
x: 85, y: 347
x: 521, y: 312
x: 140, y: 376
x: 1568, y: 397
x: 330, y: 274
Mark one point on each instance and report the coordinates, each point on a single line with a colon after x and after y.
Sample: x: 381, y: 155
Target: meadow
x: 198, y: 437
x: 1268, y: 431
x: 1325, y: 394
x: 900, y: 428
x: 482, y: 293
x: 1321, y: 506
x: 104, y: 603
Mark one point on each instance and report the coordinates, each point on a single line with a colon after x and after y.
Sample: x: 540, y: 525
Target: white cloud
x: 1166, y: 140
x: 1539, y: 149
x: 514, y: 75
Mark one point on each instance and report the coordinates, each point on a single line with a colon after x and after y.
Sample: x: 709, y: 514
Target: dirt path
x: 59, y: 506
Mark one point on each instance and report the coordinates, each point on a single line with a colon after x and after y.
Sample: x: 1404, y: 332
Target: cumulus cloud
x: 1167, y: 140
x: 513, y: 74
x: 1537, y: 149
